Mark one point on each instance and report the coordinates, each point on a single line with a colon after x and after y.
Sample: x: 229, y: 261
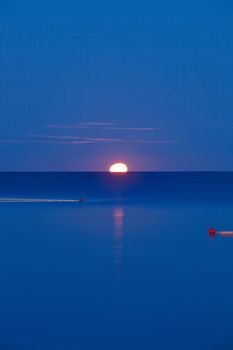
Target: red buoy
x: 212, y: 232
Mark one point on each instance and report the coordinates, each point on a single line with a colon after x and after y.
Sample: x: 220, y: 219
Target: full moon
x: 118, y: 168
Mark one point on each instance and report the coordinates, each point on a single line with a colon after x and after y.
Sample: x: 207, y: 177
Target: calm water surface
x: 118, y: 274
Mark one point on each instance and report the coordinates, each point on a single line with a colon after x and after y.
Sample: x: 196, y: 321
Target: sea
x: 108, y: 261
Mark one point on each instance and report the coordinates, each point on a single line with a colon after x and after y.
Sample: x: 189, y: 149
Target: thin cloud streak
x: 222, y: 127
x: 85, y: 125
x: 77, y: 138
x: 80, y: 139
x: 13, y: 141
x: 45, y: 141
x: 133, y: 129
x: 50, y: 139
x: 104, y: 126
x: 97, y: 123
x: 61, y: 126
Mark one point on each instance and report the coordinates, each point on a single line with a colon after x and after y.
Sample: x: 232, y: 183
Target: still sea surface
x: 130, y: 267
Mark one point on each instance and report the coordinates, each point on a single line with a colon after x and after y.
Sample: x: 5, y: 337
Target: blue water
x: 132, y: 267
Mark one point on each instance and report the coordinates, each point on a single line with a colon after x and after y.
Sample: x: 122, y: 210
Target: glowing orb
x: 118, y: 168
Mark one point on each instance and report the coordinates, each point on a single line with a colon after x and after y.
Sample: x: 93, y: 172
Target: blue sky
x: 85, y: 84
